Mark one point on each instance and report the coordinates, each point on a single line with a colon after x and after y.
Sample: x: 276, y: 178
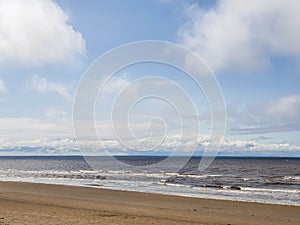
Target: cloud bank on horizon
x: 46, y: 45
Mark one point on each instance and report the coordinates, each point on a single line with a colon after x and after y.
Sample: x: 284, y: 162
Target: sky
x: 252, y: 48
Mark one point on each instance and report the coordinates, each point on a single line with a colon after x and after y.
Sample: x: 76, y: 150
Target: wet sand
x: 28, y: 203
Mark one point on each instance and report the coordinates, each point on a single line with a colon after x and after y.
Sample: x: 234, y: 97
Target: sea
x: 250, y: 179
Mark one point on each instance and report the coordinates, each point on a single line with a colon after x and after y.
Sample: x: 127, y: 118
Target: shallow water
x: 270, y: 180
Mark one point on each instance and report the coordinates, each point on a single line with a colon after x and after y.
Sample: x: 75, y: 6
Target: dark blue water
x: 272, y: 180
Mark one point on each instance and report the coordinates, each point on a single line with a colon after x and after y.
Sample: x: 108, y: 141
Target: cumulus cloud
x: 43, y: 85
x: 235, y: 35
x: 65, y: 146
x: 3, y: 87
x: 37, y: 32
x: 39, y: 147
x: 54, y: 136
x: 256, y: 148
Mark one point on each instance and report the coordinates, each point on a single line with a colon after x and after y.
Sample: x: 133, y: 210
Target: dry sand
x: 27, y: 203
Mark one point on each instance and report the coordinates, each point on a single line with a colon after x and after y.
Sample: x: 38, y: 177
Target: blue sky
x: 45, y: 47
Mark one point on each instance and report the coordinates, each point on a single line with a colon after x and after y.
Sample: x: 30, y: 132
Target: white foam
x: 292, y: 178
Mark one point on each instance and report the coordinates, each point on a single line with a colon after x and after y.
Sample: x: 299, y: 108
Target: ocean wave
x: 270, y: 190
x: 296, y: 178
x: 53, y: 174
x: 279, y: 183
x: 198, y: 175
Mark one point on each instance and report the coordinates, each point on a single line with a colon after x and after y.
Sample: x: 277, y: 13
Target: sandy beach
x: 27, y: 203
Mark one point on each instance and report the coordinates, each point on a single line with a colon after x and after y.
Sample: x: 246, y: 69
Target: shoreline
x: 96, y: 186
x: 104, y: 206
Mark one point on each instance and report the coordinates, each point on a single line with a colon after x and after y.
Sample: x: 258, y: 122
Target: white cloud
x: 42, y: 85
x: 65, y: 145
x: 113, y: 87
x: 3, y: 87
x: 243, y: 34
x: 56, y: 114
x: 37, y: 32
x: 24, y: 128
x: 278, y: 115
x: 44, y: 136
x: 286, y: 108
x: 256, y: 148
x: 39, y: 147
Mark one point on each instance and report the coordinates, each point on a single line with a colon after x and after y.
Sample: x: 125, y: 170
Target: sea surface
x: 268, y: 180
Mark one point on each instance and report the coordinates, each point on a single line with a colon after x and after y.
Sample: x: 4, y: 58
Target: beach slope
x: 28, y: 203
